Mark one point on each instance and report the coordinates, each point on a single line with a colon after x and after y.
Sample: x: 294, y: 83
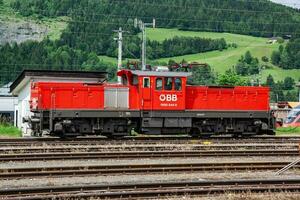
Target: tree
x: 288, y: 57
x: 270, y: 81
x: 288, y: 83
x: 280, y: 95
x: 241, y: 68
x: 275, y: 57
x: 265, y: 59
x: 291, y: 96
x: 247, y: 65
x: 248, y: 57
x: 281, y: 48
x: 231, y: 79
x: 202, y: 76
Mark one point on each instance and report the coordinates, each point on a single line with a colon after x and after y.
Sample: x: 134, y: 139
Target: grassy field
x: 226, y: 59
x: 9, y: 131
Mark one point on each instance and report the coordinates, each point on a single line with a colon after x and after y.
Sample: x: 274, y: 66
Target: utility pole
x: 142, y: 27
x: 120, y: 48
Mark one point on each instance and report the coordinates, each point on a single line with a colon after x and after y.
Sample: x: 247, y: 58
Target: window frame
x: 166, y: 81
x: 175, y: 87
x: 149, y: 82
x: 162, y: 83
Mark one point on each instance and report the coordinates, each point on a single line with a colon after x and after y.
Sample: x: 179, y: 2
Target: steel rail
x: 155, y: 147
x: 144, y: 154
x: 143, y: 138
x: 143, y: 190
x: 18, y: 173
x: 104, y: 141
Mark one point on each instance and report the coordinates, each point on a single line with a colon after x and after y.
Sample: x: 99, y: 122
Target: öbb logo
x: 168, y: 97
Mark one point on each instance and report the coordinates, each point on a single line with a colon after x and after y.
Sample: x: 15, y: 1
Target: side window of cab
x: 178, y: 84
x: 168, y: 83
x: 159, y: 84
x: 146, y: 82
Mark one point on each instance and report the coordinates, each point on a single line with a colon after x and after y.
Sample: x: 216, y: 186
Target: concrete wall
x: 7, y: 103
x: 23, y: 109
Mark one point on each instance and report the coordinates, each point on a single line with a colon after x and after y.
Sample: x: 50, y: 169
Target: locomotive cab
x: 158, y: 90
x: 161, y: 95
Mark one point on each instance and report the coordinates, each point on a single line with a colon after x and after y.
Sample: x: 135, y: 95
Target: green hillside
x: 222, y: 60
x: 92, y: 34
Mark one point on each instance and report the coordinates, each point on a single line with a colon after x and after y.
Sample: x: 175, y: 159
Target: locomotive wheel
x: 195, y: 133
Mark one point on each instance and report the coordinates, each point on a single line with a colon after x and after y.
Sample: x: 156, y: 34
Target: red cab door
x: 146, y: 93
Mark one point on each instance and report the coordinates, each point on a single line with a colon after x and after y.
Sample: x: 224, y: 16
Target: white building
x: 7, y: 105
x: 21, y: 88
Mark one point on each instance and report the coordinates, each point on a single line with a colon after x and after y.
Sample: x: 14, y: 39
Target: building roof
x: 5, y: 90
x: 293, y: 104
x: 158, y: 73
x: 75, y: 75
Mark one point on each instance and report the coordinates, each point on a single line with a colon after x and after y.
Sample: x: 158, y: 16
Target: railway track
x: 18, y: 173
x: 145, y: 147
x: 52, y: 141
x: 153, y: 190
x: 144, y: 154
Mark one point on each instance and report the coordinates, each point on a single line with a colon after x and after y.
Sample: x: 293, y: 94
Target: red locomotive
x: 149, y: 102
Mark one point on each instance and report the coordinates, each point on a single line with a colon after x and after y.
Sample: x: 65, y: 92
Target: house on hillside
x: 272, y: 40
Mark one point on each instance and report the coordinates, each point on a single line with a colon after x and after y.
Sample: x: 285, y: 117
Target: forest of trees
x: 92, y: 21
x: 47, y: 55
x: 282, y: 90
x: 218, y: 15
x: 288, y: 57
x: 178, y: 46
x: 247, y: 65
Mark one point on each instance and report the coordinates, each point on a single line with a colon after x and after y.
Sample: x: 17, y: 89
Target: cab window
x: 159, y: 84
x: 178, y: 84
x: 146, y: 83
x: 168, y: 83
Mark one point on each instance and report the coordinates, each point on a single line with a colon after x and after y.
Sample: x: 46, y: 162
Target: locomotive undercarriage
x: 124, y: 123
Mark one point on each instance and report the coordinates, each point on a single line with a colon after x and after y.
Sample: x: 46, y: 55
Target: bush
x: 275, y: 57
x: 288, y: 83
x: 265, y: 59
x: 9, y: 131
x: 234, y: 45
x: 280, y: 40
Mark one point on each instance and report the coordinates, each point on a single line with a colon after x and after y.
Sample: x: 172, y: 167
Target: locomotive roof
x: 57, y: 74
x: 159, y: 73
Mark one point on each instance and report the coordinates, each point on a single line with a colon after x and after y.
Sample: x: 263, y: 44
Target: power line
x: 178, y: 19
